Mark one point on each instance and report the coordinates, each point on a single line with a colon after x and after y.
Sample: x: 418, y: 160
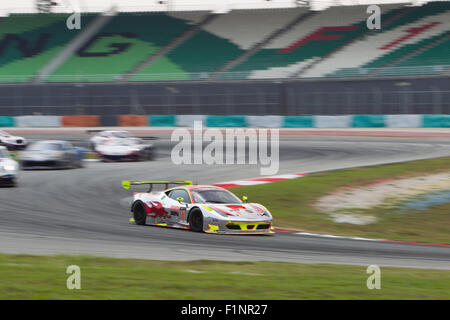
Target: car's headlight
x: 267, y: 214
x: 223, y: 214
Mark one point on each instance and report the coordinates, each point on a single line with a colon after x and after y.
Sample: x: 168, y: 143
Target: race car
x: 120, y: 145
x: 52, y: 154
x: 8, y: 168
x: 12, y: 142
x: 200, y: 208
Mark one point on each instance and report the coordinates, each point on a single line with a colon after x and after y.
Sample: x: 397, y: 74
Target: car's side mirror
x: 180, y: 199
x: 244, y: 198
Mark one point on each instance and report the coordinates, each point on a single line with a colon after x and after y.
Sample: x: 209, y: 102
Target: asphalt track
x: 82, y: 211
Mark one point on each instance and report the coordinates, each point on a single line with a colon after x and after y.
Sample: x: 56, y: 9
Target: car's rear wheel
x: 139, y: 214
x: 196, y: 221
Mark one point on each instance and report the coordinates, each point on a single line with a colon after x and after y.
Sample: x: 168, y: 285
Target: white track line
x: 334, y: 237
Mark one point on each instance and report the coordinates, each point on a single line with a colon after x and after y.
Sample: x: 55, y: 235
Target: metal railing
x: 389, y: 71
x: 230, y: 75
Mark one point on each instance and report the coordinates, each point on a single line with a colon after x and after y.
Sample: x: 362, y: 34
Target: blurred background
x: 253, y: 57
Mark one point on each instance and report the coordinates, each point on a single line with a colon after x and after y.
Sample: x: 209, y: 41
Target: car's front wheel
x: 196, y: 220
x: 139, y: 214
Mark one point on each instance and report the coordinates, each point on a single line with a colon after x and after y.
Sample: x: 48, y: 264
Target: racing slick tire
x: 9, y: 183
x: 196, y: 220
x: 139, y: 214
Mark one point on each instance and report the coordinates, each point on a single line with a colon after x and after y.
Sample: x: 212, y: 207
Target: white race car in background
x: 8, y: 168
x: 12, y: 142
x: 120, y: 145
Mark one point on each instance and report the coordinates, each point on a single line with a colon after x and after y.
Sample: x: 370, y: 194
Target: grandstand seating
x: 222, y: 40
x: 125, y: 41
x: 251, y: 44
x: 29, y: 41
x: 420, y: 27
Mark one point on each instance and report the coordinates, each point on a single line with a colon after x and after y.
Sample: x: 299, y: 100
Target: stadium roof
x: 223, y: 6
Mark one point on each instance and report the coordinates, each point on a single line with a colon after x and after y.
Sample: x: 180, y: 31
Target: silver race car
x: 12, y: 142
x: 120, y: 145
x: 52, y: 154
x: 8, y: 169
x: 200, y: 208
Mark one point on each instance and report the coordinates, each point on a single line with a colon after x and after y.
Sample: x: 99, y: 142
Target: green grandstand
x: 164, y: 47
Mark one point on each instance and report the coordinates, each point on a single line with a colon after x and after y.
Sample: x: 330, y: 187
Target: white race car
x: 8, y: 168
x: 200, y: 208
x: 120, y: 145
x: 12, y: 142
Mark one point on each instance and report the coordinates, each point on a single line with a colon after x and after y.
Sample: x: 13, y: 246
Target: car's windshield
x: 121, y: 134
x: 119, y: 143
x: 37, y: 146
x: 214, y: 196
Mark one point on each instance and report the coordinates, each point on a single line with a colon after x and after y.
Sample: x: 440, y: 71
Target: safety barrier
x: 436, y: 121
x: 37, y: 121
x: 226, y: 121
x: 161, y: 120
x: 128, y: 120
x: 132, y: 120
x: 6, y: 121
x: 80, y: 121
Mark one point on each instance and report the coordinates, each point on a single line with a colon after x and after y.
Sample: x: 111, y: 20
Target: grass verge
x: 291, y: 203
x: 44, y: 277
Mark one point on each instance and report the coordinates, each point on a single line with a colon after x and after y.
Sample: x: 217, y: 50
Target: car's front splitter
x: 239, y: 227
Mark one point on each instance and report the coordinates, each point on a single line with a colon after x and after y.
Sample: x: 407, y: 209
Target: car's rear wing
x: 126, y: 184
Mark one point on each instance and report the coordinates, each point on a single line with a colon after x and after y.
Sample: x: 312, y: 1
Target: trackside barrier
x: 368, y: 121
x: 226, y: 121
x: 436, y: 121
x: 404, y: 121
x: 271, y: 121
x: 132, y: 120
x: 6, y: 121
x: 81, y: 121
x: 38, y: 121
x: 332, y: 121
x: 264, y: 121
x: 161, y: 120
x: 298, y: 122
x: 188, y: 120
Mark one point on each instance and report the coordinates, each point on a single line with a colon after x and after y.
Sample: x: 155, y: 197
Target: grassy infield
x: 29, y: 277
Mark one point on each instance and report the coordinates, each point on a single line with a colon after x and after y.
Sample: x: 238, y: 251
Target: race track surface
x: 83, y: 211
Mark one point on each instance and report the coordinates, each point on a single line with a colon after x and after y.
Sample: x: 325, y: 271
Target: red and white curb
x: 270, y: 179
x: 257, y: 181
